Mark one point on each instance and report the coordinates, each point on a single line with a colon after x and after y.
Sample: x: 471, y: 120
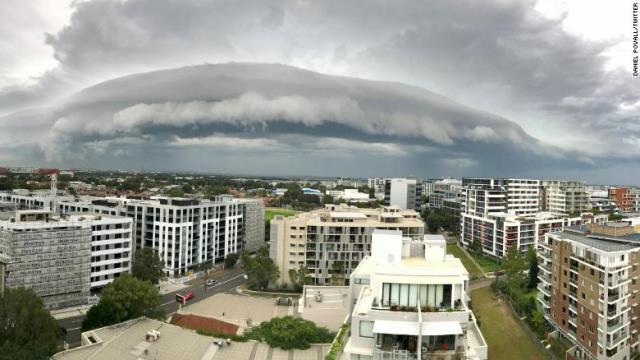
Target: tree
x: 514, y: 264
x: 27, y: 330
x: 337, y: 273
x: 435, y: 221
x: 533, y: 268
x: 175, y: 192
x: 289, y: 332
x: 124, y: 299
x: 147, y: 265
x: 231, y: 260
x: 260, y: 269
x: 300, y: 277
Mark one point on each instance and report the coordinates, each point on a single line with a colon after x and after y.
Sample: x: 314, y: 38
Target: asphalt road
x: 227, y: 281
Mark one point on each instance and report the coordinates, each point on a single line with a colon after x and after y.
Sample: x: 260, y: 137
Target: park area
x: 504, y: 335
x: 270, y: 212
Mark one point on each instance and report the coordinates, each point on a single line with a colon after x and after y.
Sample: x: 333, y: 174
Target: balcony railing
x: 425, y: 355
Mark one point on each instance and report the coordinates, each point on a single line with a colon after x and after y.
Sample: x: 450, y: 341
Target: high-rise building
x: 411, y: 302
x: 50, y: 256
x: 187, y: 232
x: 566, y: 197
x: 497, y: 232
x: 253, y: 224
x: 404, y: 193
x: 589, y: 286
x: 333, y: 239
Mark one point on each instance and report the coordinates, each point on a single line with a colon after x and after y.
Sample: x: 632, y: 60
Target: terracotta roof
x: 196, y: 322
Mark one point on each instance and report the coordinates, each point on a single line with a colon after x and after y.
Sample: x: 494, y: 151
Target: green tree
x: 300, y: 277
x: 514, y: 263
x: 259, y: 268
x: 435, y: 221
x: 175, y: 192
x: 124, y: 299
x: 289, y: 332
x: 27, y: 330
x: 147, y: 265
x: 533, y: 268
x: 337, y: 273
x: 231, y: 260
x: 615, y: 217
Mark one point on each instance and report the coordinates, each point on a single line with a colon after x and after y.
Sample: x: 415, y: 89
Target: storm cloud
x: 517, y: 92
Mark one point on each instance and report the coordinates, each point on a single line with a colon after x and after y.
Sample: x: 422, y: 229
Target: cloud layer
x: 503, y: 57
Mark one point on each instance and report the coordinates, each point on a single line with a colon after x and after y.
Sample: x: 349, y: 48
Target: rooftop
x: 128, y: 341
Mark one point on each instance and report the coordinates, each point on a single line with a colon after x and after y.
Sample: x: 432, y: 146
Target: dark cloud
x: 502, y: 57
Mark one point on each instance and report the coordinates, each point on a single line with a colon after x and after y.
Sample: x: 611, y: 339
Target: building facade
x: 47, y: 255
x: 588, y: 289
x: 404, y: 193
x: 333, y: 239
x: 565, y: 197
x: 411, y: 303
x: 497, y: 232
x: 253, y: 224
x: 187, y: 232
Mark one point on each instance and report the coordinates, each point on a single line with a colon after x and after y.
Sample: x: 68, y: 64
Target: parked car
x: 211, y: 282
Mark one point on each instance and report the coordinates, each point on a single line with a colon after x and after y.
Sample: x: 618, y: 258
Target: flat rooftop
x: 328, y: 309
x: 128, y: 341
x: 602, y: 242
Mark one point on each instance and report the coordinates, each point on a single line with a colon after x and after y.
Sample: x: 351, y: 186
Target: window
x: 366, y: 329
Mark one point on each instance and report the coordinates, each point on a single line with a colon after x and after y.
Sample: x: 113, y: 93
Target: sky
x: 539, y: 89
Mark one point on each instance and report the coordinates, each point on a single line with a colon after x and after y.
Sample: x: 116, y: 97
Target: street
x: 228, y: 280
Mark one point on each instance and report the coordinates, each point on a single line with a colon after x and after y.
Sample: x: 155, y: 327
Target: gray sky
x: 506, y: 88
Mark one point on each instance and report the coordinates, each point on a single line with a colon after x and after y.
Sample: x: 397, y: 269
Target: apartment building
x: 497, y: 232
x: 589, y: 286
x: 404, y: 193
x: 333, y: 239
x: 566, y: 197
x: 187, y: 232
x: 253, y: 224
x: 111, y: 246
x: 411, y: 303
x: 486, y: 195
x: 48, y: 255
x: 627, y: 199
x: 377, y: 184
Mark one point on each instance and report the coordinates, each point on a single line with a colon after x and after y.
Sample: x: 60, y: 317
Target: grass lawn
x: 473, y: 270
x: 504, y: 336
x: 269, y: 213
x: 487, y: 263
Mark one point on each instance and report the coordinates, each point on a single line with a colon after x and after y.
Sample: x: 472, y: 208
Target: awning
x: 395, y: 327
x: 434, y: 328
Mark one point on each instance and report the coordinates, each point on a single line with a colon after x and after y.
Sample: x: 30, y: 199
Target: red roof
x: 196, y: 322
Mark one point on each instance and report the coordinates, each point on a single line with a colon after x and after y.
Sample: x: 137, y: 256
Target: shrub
x: 289, y: 332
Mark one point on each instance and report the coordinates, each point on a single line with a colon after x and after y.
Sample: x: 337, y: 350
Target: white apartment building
x: 333, y: 239
x: 497, y: 232
x: 187, y: 232
x: 564, y: 197
x: 410, y: 302
x: 589, y: 287
x: 352, y: 195
x: 404, y: 193
x: 487, y: 195
x: 111, y: 246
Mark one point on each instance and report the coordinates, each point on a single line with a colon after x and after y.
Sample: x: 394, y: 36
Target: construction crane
x: 51, y: 172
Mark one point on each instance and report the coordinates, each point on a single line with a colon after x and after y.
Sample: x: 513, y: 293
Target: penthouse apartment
x: 497, y: 232
x: 411, y: 303
x: 589, y: 288
x: 50, y: 256
x: 333, y: 239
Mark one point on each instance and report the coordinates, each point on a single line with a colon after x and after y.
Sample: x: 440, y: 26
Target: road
x: 227, y: 281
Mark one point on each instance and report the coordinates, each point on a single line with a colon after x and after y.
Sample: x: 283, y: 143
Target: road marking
x: 72, y: 329
x: 217, y: 285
